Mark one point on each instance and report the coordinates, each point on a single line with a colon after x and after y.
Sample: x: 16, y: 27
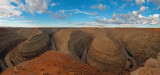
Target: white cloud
x: 53, y: 4
x: 90, y: 24
x: 99, y: 6
x: 124, y: 5
x: 95, y: 13
x: 23, y: 7
x: 7, y: 10
x: 62, y: 11
x: 57, y: 15
x: 3, y: 21
x: 38, y: 6
x: 140, y: 2
x: 16, y: 1
x: 143, y: 8
x: 93, y: 7
x: 77, y: 11
x: 131, y: 18
x: 114, y: 3
x: 136, y: 13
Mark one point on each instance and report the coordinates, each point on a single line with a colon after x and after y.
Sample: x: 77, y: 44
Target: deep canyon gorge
x: 79, y: 51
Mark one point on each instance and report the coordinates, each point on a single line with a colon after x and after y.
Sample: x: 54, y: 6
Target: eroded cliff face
x: 105, y: 54
x: 74, y: 44
x: 30, y: 48
x: 141, y: 43
x: 102, y: 51
x: 151, y: 67
x: 110, y: 50
x: 8, y: 41
x: 106, y: 49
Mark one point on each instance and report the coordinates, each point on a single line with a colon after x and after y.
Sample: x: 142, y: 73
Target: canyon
x: 77, y: 51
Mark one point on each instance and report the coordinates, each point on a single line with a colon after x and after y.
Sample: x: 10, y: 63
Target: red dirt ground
x: 53, y: 63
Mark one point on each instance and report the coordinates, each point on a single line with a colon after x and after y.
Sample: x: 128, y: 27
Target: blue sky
x: 79, y: 13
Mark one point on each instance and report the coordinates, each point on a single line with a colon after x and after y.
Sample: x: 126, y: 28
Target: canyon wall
x: 30, y: 48
x: 8, y: 41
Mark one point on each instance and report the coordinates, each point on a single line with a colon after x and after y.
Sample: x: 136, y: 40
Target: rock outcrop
x: 8, y: 41
x: 113, y: 50
x: 102, y: 51
x: 74, y: 44
x: 53, y: 63
x: 151, y: 67
x: 30, y: 48
x: 106, y: 54
x: 140, y: 43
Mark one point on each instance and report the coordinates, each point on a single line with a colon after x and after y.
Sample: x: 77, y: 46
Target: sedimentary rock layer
x: 29, y: 33
x: 53, y: 63
x: 151, y: 67
x: 74, y: 44
x: 140, y: 43
x: 8, y: 41
x: 30, y: 48
x: 105, y: 54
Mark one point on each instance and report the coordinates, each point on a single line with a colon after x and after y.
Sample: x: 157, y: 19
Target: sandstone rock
x: 30, y: 48
x: 151, y: 67
x: 8, y: 41
x: 146, y: 71
x: 74, y: 43
x: 141, y: 43
x: 36, y: 65
x: 106, y: 54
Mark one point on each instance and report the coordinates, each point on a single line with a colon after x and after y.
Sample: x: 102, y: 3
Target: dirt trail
x: 134, y: 62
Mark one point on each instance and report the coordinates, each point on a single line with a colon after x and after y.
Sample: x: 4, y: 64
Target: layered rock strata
x: 8, y: 41
x: 102, y: 51
x: 74, y: 44
x: 29, y: 33
x: 151, y: 67
x: 140, y: 43
x: 30, y: 48
x: 106, y: 54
